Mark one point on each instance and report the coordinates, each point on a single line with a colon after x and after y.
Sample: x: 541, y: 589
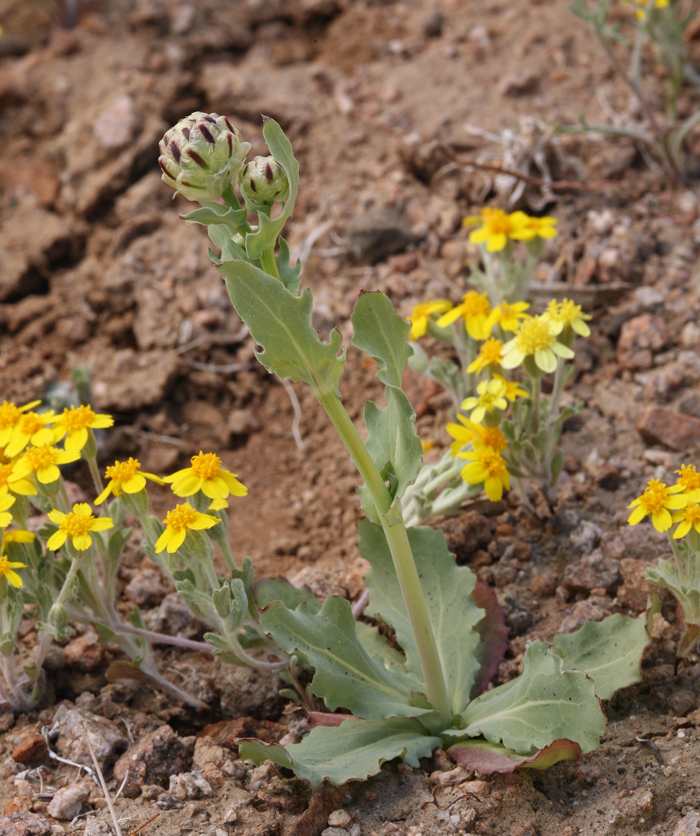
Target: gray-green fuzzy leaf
x: 380, y: 332
x: 447, y: 589
x: 281, y: 323
x: 346, y: 676
x: 352, y: 751
x: 544, y: 704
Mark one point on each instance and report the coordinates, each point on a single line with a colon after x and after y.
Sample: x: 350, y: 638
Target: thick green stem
x: 268, y: 263
x: 400, y: 548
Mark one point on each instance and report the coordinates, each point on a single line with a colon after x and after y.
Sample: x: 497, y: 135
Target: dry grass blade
x: 108, y: 798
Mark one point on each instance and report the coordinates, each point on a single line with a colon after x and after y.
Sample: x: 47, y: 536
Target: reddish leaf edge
x: 488, y: 758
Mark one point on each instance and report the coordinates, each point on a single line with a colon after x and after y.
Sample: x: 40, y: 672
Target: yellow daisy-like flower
x: 489, y: 467
x: 74, y: 424
x: 490, y: 354
x: 535, y: 338
x: 689, y: 480
x: 513, y: 388
x: 10, y: 414
x: 423, y: 313
x: 658, y: 501
x: 31, y: 428
x: 688, y: 517
x: 77, y: 525
x: 529, y: 227
x: 475, y: 433
x: 496, y: 227
x: 567, y: 314
x: 6, y: 502
x: 42, y: 461
x: 491, y: 396
x: 509, y: 316
x: 659, y: 4
x: 178, y: 522
x: 18, y: 535
x: 206, y: 475
x: 6, y: 567
x: 125, y: 477
x: 475, y: 310
x: 24, y: 487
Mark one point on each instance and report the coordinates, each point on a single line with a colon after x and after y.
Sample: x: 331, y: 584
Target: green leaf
x: 281, y: 323
x: 278, y: 588
x: 290, y: 276
x: 267, y: 233
x: 392, y: 441
x: 346, y: 676
x: 448, y: 592
x: 609, y: 651
x: 118, y: 538
x: 491, y: 757
x: 230, y: 248
x: 352, y: 751
x: 545, y: 704
x: 213, y: 213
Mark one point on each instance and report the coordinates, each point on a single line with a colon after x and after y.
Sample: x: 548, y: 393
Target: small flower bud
x: 201, y: 156
x: 263, y: 181
x: 58, y: 619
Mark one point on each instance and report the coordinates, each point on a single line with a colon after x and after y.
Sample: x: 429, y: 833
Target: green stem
x: 400, y: 548
x: 268, y: 263
x: 535, y: 409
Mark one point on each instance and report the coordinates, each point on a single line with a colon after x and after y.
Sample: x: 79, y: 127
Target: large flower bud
x: 202, y: 155
x: 262, y: 181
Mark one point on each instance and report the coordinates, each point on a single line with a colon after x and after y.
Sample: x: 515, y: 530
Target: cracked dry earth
x: 97, y: 270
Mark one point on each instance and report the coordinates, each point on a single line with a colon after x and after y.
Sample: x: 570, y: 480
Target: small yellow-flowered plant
x: 496, y: 227
x: 125, y: 477
x: 475, y: 310
x: 43, y: 462
x: 6, y: 502
x: 567, y: 314
x: 24, y: 486
x: 513, y: 388
x: 535, y: 338
x: 31, y: 428
x: 74, y: 424
x: 508, y: 316
x: 688, y: 517
x: 178, y: 522
x: 476, y: 434
x: 487, y: 466
x: 206, y: 475
x: 78, y: 525
x: 17, y: 535
x: 689, y: 480
x: 529, y: 228
x: 657, y: 501
x: 641, y: 12
x: 424, y: 313
x: 10, y: 414
x: 6, y: 571
x: 491, y: 395
x: 490, y: 354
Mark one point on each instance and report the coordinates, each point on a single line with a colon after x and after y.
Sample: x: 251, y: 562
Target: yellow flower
x: 206, y: 475
x: 535, y: 338
x: 217, y: 505
x: 422, y: 314
x: 77, y: 525
x: 10, y: 414
x: 513, y: 389
x: 6, y: 502
x: 567, y: 314
x: 475, y: 310
x: 491, y: 396
x: 18, y: 535
x: 125, y: 477
x: 24, y: 487
x: 529, y: 227
x: 657, y: 500
x: 489, y: 467
x: 496, y: 227
x: 477, y: 434
x: 509, y: 316
x: 177, y: 522
x: 6, y: 567
x: 42, y: 461
x: 30, y: 429
x: 74, y: 424
x: 659, y: 4
x: 689, y: 480
x: 427, y: 444
x: 688, y: 517
x: 490, y: 354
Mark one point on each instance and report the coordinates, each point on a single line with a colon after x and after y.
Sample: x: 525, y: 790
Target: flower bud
x: 202, y: 155
x: 58, y: 619
x: 262, y: 181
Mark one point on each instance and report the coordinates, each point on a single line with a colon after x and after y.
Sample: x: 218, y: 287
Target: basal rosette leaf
x: 491, y: 757
x: 448, y: 593
x: 280, y: 322
x: 352, y: 751
x: 345, y: 674
x: 609, y: 651
x: 544, y: 704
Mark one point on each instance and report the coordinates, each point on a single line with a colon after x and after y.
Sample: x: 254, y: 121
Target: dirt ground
x: 97, y: 270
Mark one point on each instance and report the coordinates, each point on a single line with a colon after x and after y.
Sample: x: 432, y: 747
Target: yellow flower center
x: 30, y: 423
x: 181, y: 517
x: 492, y: 462
x: 4, y: 565
x: 9, y: 414
x: 689, y: 478
x: 691, y: 514
x: 534, y: 335
x: 492, y: 437
x: 121, y: 472
x: 77, y: 419
x: 474, y: 304
x: 654, y: 498
x: 491, y: 351
x: 569, y: 312
x: 5, y: 472
x: 76, y: 525
x: 206, y: 465
x: 41, y: 457
x: 497, y: 221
